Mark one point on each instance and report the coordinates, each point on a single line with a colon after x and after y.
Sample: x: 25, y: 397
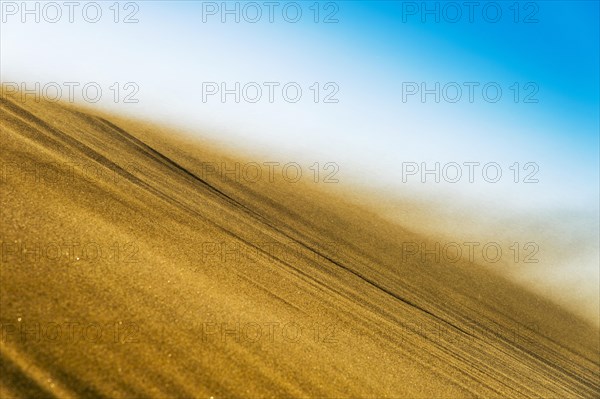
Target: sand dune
x: 129, y: 271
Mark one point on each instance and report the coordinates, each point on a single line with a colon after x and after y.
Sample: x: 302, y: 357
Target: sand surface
x: 129, y: 271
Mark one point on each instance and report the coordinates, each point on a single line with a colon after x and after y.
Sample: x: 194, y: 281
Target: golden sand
x: 128, y: 271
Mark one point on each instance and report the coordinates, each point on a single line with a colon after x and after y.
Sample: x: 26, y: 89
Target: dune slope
x: 128, y: 271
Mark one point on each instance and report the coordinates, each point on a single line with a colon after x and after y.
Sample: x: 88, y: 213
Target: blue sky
x: 559, y: 51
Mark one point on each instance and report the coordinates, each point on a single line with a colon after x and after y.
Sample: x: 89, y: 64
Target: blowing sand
x: 127, y: 271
